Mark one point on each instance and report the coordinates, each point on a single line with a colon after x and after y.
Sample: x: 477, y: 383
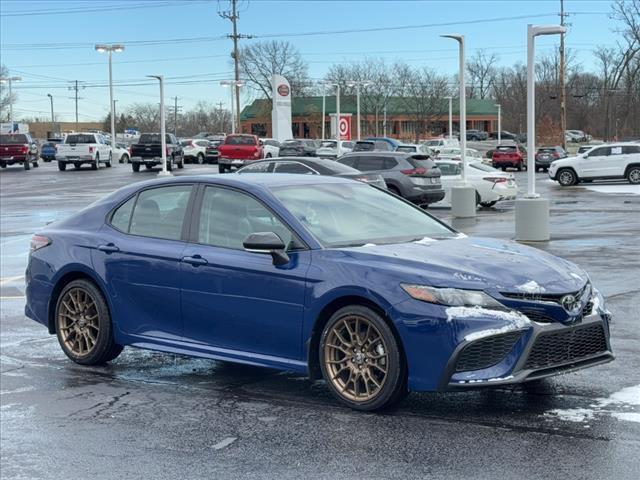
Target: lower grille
x: 537, y: 316
x: 565, y: 346
x: 486, y: 352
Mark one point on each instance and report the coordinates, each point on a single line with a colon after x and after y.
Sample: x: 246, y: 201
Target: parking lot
x: 165, y: 416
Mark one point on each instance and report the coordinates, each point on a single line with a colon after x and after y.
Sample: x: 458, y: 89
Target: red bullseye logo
x: 344, y: 126
x: 283, y: 90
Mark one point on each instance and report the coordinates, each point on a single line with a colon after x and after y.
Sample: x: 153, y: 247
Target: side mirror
x: 260, y: 142
x: 267, y: 243
x: 584, y: 155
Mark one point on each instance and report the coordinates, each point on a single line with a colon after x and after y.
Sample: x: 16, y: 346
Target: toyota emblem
x: 570, y: 304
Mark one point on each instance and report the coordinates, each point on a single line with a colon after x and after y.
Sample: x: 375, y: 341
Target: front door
x: 238, y: 300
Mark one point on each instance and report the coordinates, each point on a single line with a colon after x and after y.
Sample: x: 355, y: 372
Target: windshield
x: 13, y: 138
x: 328, y: 144
x: 342, y: 215
x: 153, y: 138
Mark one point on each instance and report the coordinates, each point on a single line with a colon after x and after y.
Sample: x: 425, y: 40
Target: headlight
x: 452, y: 296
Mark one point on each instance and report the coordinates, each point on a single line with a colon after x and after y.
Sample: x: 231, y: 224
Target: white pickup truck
x: 81, y: 148
x: 603, y: 162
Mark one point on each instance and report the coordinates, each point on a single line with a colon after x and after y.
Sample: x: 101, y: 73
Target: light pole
x: 115, y: 115
x: 450, y: 98
x: 52, y: 117
x: 110, y: 49
x: 324, y: 106
x: 163, y: 138
x: 337, y: 120
x: 532, y: 212
x: 233, y: 84
x: 463, y: 198
x: 10, y: 80
x: 499, y: 122
x: 358, y: 84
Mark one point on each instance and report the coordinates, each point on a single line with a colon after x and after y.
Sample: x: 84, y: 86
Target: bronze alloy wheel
x: 356, y: 358
x: 78, y: 321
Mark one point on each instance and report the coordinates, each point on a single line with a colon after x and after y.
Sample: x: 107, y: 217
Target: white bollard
x: 463, y: 202
x: 532, y: 219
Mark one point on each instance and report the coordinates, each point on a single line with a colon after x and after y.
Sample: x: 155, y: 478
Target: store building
x: 400, y: 119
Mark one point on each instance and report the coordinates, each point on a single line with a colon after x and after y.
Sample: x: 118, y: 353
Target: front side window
x: 228, y: 216
x: 160, y: 212
x: 599, y: 152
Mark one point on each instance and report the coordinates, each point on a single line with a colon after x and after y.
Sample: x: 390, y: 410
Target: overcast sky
x: 49, y: 43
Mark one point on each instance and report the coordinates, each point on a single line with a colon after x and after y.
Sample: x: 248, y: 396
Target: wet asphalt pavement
x: 152, y: 415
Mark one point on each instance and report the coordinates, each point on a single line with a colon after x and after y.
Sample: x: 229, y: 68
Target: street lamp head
x: 101, y: 48
x: 547, y: 30
x: 49, y: 95
x: 117, y: 48
x: 157, y: 77
x: 455, y: 36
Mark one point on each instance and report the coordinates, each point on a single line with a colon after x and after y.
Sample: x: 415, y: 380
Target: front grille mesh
x: 538, y: 317
x: 565, y: 346
x: 486, y: 352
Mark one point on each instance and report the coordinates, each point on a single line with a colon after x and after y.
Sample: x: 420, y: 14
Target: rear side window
x: 291, y: 167
x: 121, y: 217
x: 367, y: 164
x: 157, y: 213
x: 629, y: 149
x: 348, y: 161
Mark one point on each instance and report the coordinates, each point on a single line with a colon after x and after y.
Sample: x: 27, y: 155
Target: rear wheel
x: 488, y: 204
x: 394, y: 190
x: 83, y: 324
x: 181, y: 163
x: 108, y: 164
x: 35, y: 164
x: 200, y: 159
x: 135, y: 167
x: 3, y: 165
x: 633, y: 175
x: 222, y: 168
x: 170, y: 164
x: 76, y: 166
x: 62, y: 166
x: 96, y: 164
x: 566, y: 177
x: 26, y: 165
x: 361, y: 360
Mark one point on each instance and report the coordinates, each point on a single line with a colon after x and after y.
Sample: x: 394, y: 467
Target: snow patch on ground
x: 616, y: 189
x: 622, y: 401
x: 530, y: 287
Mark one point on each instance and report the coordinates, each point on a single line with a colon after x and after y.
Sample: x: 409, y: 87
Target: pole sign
x: 281, y: 110
x: 345, y: 127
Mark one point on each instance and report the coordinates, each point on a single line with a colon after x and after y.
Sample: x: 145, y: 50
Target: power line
x: 106, y: 8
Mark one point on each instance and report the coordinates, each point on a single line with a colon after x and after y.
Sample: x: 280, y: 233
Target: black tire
x: 3, y: 165
x: 488, y: 204
x: 268, y: 155
x: 394, y: 386
x: 199, y: 159
x: 504, y: 169
x: 566, y: 177
x: 35, y: 164
x: 181, y: 163
x: 108, y: 164
x: 62, y: 166
x: 26, y: 165
x: 545, y: 169
x: 169, y: 164
x: 633, y: 175
x: 96, y: 164
x: 104, y: 349
x: 135, y: 167
x: 519, y: 167
x: 222, y: 168
x: 394, y: 189
x: 76, y: 166
x: 477, y: 198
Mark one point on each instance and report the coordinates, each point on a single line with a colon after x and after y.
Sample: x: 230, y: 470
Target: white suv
x: 604, y: 162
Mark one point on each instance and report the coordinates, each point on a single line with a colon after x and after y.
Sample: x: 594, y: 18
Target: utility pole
x: 233, y: 16
x: 563, y: 94
x: 76, y: 88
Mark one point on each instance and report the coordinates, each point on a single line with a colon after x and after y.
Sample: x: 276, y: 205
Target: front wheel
x: 488, y: 204
x: 566, y: 177
x: 361, y: 360
x: 83, y: 324
x: 200, y: 159
x: 633, y: 175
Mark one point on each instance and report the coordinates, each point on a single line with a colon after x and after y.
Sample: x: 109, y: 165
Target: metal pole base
x: 532, y: 219
x: 164, y: 173
x: 463, y: 202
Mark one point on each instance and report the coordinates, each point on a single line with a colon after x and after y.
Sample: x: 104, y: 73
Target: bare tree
x: 5, y: 100
x: 481, y: 69
x: 258, y: 62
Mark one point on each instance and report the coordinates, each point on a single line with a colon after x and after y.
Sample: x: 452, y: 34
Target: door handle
x: 108, y: 248
x: 195, y: 260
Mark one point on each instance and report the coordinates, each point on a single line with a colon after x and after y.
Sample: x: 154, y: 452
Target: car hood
x: 474, y: 263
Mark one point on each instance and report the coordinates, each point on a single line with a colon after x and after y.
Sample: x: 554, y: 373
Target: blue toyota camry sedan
x: 321, y: 275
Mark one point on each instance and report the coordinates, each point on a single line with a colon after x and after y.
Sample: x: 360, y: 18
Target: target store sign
x: 283, y: 90
x: 344, y: 126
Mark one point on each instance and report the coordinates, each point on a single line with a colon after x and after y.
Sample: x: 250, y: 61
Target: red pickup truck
x: 18, y: 148
x: 239, y: 150
x: 509, y: 156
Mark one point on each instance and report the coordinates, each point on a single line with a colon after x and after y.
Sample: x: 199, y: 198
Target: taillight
x: 38, y: 242
x: 25, y: 149
x: 256, y: 154
x: 90, y: 149
x: 556, y: 155
x: 414, y: 171
x: 130, y: 150
x: 495, y: 179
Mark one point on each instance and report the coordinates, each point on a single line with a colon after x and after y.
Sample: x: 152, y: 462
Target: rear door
x: 139, y: 256
x: 238, y: 300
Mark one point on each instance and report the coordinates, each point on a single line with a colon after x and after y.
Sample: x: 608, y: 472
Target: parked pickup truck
x: 18, y: 148
x: 148, y: 152
x: 80, y: 148
x: 239, y: 150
